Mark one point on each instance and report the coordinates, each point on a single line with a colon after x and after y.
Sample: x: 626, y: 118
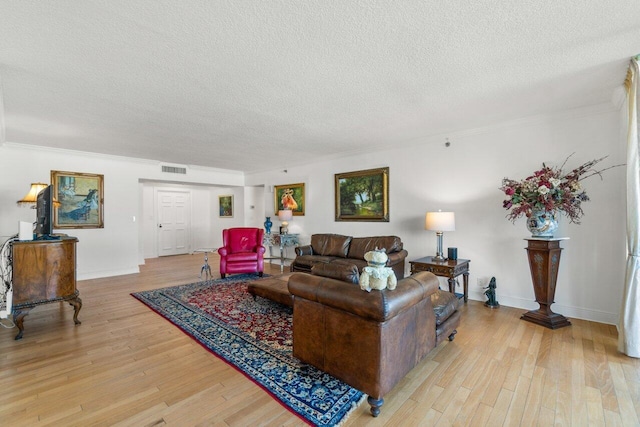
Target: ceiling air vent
x: 174, y: 169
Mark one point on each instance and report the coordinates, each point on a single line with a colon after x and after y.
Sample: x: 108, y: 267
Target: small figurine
x: 491, y: 294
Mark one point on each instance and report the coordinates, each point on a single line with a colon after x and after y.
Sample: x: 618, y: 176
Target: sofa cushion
x: 444, y: 305
x: 307, y: 261
x: 242, y: 256
x: 361, y: 245
x: 360, y: 263
x: 338, y: 269
x: 330, y: 244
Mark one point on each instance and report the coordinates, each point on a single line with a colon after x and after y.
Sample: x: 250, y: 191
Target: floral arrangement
x: 551, y: 190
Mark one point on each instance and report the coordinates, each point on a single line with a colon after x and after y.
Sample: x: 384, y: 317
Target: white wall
x: 119, y: 247
x: 465, y: 178
x: 238, y: 220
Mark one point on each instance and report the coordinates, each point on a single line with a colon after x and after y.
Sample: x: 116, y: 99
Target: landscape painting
x: 80, y: 200
x: 362, y: 195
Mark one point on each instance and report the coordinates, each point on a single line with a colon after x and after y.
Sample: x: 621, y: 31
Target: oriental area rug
x: 255, y: 337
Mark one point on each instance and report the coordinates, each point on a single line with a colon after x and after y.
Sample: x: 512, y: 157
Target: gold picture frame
x: 362, y: 195
x: 80, y: 199
x: 289, y: 196
x: 226, y: 205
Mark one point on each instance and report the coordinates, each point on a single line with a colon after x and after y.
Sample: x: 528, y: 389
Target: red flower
x: 537, y: 193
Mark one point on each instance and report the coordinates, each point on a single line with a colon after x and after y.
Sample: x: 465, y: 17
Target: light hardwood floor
x: 126, y: 365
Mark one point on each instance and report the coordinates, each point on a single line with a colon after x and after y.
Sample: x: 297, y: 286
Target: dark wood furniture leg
x: 375, y: 405
x: 18, y: 319
x: 20, y: 312
x: 465, y: 282
x: 77, y: 305
x: 452, y: 284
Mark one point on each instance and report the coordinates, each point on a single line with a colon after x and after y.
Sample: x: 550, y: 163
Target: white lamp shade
x: 285, y: 214
x: 440, y: 221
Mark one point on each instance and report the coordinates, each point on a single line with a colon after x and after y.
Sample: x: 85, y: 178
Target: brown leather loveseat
x: 339, y: 250
x: 369, y: 340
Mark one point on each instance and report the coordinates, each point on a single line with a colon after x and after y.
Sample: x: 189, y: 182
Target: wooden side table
x: 447, y: 268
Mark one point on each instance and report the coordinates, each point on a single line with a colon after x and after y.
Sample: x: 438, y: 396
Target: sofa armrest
x: 396, y: 257
x: 376, y: 305
x: 304, y: 250
x: 223, y: 251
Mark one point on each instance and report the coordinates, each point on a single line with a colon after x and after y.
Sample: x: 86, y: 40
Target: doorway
x: 174, y: 222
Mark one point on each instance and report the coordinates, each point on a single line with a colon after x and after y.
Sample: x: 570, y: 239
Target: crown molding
x: 65, y: 151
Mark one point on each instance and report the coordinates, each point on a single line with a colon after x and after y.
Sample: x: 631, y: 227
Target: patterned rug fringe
x: 354, y: 406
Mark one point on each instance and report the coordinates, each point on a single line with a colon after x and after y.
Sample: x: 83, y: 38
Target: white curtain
x: 629, y: 325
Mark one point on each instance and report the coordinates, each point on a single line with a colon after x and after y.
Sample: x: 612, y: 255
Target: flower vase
x: 542, y: 224
x: 268, y: 224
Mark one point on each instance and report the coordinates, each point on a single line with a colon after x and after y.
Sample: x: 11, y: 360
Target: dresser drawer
x: 437, y: 269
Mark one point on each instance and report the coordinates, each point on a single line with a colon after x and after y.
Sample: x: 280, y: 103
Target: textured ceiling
x: 246, y: 85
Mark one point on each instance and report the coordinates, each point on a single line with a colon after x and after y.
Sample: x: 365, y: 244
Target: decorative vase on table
x: 542, y: 224
x: 268, y: 224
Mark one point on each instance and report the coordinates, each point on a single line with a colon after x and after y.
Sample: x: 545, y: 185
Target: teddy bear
x: 376, y: 275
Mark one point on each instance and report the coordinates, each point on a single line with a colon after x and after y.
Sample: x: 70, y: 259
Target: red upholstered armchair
x: 242, y: 251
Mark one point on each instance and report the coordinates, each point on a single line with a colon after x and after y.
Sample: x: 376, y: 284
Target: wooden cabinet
x: 44, y: 271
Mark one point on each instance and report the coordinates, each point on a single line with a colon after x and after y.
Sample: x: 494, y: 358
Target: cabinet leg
x: 18, y: 319
x: 77, y: 305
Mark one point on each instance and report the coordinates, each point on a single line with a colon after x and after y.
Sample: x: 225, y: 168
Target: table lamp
x: 285, y: 215
x: 439, y: 222
x: 32, y: 196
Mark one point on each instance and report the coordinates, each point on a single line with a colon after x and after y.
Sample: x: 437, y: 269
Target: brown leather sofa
x: 329, y: 248
x: 369, y: 340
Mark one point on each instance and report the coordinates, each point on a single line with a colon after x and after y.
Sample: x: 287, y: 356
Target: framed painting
x: 80, y: 199
x: 226, y: 206
x: 362, y: 195
x: 289, y: 197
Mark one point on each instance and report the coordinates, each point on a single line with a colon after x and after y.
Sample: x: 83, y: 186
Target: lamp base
x: 439, y: 254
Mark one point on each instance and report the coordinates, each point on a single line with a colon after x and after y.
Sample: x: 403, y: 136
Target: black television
x: 44, y: 213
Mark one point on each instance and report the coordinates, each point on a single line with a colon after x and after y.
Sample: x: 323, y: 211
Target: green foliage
x: 361, y: 195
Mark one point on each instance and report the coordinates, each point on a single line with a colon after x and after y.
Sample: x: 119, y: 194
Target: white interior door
x: 174, y: 222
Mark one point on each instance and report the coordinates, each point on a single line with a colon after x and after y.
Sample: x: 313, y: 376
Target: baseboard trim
x: 109, y: 273
x: 566, y: 310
